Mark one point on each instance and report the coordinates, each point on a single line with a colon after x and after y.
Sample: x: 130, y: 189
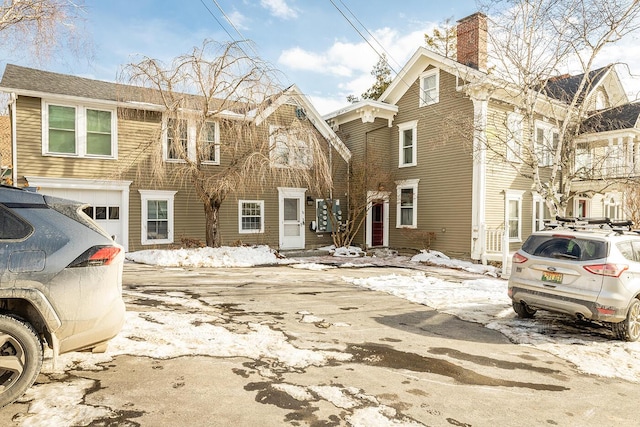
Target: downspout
x: 14, y: 138
x: 479, y: 188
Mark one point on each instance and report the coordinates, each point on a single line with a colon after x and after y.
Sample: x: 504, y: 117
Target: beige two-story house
x: 97, y: 142
x: 451, y: 141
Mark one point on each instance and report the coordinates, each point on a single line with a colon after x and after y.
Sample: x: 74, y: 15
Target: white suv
x: 589, y: 269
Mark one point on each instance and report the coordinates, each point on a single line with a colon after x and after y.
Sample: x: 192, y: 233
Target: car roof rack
x: 603, y: 223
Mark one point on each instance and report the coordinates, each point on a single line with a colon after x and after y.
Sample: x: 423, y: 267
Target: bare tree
x: 367, y: 184
x: 531, y: 42
x: 41, y: 26
x: 212, y: 100
x: 632, y: 203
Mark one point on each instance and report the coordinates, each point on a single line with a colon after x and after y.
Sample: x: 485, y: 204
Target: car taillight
x: 613, y: 270
x: 519, y: 259
x: 96, y: 256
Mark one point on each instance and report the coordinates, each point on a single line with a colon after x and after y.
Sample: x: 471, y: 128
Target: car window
x: 635, y: 244
x: 626, y: 250
x: 12, y: 227
x: 565, y: 247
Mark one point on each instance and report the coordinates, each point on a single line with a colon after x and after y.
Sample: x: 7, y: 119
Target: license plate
x: 550, y: 276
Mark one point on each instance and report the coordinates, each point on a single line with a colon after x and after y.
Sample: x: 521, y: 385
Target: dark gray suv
x: 60, y: 285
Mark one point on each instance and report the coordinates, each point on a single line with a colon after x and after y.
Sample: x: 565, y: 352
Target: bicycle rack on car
x: 603, y: 223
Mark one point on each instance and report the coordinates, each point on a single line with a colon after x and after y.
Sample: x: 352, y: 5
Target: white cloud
x: 352, y: 62
x: 237, y: 20
x: 328, y: 104
x: 279, y: 8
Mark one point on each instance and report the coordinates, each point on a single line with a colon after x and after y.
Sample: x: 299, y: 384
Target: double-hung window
x: 513, y: 214
x: 583, y: 159
x: 287, y: 150
x: 407, y: 203
x: 407, y: 148
x: 177, y: 139
x: 429, y: 87
x: 157, y: 216
x: 514, y: 137
x: 250, y: 216
x: 547, y: 139
x: 209, y: 143
x: 540, y: 212
x: 187, y: 140
x: 79, y: 131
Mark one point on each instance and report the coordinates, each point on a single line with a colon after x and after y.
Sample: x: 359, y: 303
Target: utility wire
x: 367, y: 41
x: 355, y: 28
x: 373, y: 37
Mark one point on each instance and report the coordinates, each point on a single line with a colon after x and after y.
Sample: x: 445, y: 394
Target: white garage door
x: 105, y: 206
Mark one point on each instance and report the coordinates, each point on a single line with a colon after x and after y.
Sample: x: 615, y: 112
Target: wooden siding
x: 444, y: 167
x: 138, y: 133
x: 371, y: 145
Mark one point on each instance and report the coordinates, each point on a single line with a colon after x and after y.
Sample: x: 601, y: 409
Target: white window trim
x: 261, y: 230
x: 272, y: 145
x: 191, y: 142
x: 217, y: 146
x: 413, y: 126
x: 400, y: 185
x: 537, y: 217
x: 576, y: 206
x: 371, y: 197
x: 514, y: 137
x: 146, y: 195
x: 511, y: 195
x: 80, y: 129
x: 542, y: 152
x: 429, y: 73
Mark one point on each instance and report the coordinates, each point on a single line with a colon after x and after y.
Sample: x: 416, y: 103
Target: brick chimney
x: 472, y: 41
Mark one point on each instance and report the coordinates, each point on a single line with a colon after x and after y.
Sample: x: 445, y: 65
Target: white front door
x: 292, y: 227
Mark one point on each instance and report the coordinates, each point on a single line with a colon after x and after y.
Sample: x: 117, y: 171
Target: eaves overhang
x: 602, y: 136
x: 136, y: 105
x: 367, y: 111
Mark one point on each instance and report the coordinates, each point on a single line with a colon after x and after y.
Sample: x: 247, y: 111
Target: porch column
x: 479, y: 191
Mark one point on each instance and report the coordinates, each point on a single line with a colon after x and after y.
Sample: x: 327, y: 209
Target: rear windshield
x: 565, y: 247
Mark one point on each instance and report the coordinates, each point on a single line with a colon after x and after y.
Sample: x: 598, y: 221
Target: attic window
x: 601, y: 101
x: 429, y: 87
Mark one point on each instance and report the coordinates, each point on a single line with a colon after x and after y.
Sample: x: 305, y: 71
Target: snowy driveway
x: 275, y: 346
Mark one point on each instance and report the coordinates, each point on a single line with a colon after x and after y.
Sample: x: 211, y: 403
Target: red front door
x: 377, y: 224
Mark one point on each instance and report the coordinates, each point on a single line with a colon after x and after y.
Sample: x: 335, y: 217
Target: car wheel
x: 629, y: 328
x: 20, y: 358
x: 523, y: 311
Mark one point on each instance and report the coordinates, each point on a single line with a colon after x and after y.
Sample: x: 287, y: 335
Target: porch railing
x: 494, y: 239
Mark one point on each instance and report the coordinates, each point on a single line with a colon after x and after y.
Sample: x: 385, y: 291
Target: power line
x: 371, y: 35
x: 355, y: 28
x: 242, y: 38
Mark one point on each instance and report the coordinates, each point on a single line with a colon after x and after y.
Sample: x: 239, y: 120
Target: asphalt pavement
x: 407, y: 363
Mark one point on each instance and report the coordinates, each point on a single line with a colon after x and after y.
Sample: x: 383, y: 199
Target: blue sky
x: 309, y: 41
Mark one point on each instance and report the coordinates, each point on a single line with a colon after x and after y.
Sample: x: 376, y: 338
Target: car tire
x: 20, y: 358
x: 523, y: 311
x: 629, y: 328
